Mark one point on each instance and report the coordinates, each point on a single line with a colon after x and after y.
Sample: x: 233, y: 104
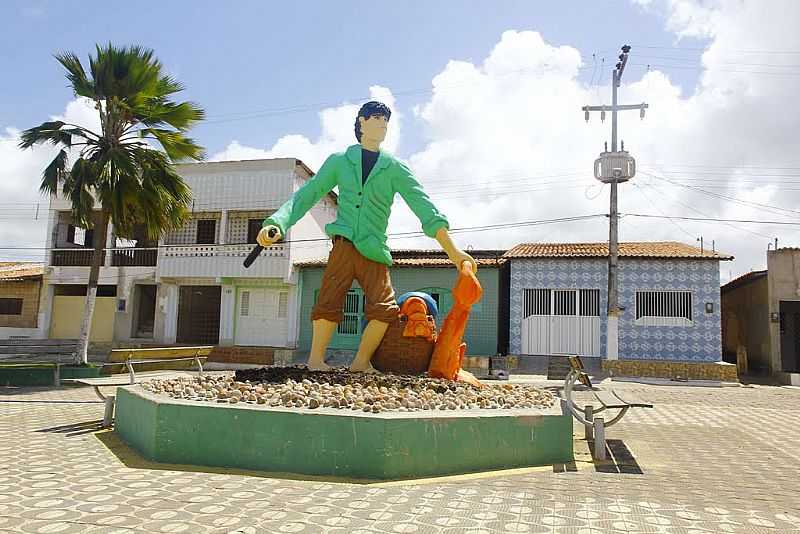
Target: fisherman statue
x: 368, y: 179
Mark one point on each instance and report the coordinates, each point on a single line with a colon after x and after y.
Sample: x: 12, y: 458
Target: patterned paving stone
x: 707, y: 460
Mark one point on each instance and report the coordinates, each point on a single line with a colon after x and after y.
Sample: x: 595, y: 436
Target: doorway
x: 261, y: 317
x: 198, y: 314
x: 144, y: 304
x: 790, y: 336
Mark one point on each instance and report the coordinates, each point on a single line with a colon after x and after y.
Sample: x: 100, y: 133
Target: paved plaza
x: 705, y: 459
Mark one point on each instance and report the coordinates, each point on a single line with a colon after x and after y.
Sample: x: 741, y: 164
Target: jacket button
x: 358, y: 205
x: 359, y: 193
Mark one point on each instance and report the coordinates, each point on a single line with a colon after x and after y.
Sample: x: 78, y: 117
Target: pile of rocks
x: 297, y: 387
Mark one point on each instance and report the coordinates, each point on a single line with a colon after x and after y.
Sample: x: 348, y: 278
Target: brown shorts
x: 345, y: 264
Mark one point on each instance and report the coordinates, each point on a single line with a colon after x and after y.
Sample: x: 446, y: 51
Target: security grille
x: 671, y: 304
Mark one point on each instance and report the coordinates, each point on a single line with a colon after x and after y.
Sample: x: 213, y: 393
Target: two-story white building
x: 191, y: 287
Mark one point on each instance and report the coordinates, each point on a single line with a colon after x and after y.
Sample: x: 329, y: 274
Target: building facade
x: 20, y: 293
x: 668, y: 292
x: 416, y: 270
x: 190, y: 287
x: 761, y: 317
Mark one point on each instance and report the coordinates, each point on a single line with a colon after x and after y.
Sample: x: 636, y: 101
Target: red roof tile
x: 15, y: 270
x: 647, y: 249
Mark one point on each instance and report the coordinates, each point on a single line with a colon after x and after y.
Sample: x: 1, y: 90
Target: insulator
x: 603, y: 116
x: 586, y: 115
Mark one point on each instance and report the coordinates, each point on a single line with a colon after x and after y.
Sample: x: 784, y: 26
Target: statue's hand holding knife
x: 267, y: 237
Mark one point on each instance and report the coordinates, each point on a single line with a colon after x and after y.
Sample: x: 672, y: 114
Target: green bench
x: 166, y: 357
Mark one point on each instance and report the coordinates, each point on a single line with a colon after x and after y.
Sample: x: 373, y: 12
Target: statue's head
x: 372, y: 121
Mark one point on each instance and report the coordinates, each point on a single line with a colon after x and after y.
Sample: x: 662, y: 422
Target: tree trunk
x: 101, y: 227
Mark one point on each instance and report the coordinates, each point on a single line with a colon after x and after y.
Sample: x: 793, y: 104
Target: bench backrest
x: 577, y: 365
x: 159, y: 353
x: 121, y: 355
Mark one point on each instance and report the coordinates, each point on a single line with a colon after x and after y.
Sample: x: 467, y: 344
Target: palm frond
x: 133, y: 182
x: 81, y: 85
x: 46, y: 132
x: 54, y: 173
x: 180, y: 116
x: 77, y: 187
x: 177, y: 146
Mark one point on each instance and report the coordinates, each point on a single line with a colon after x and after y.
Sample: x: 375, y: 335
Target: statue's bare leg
x: 321, y: 338
x: 370, y: 339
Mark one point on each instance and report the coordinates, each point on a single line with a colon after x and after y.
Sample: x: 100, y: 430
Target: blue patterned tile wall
x: 699, y: 342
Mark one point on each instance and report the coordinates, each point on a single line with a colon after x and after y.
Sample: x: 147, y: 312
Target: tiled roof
x: 743, y: 280
x: 16, y: 270
x: 427, y: 258
x: 646, y: 249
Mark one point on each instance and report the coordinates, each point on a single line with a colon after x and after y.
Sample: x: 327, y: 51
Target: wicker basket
x: 402, y: 355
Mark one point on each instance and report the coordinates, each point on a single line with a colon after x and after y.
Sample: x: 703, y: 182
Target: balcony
x: 120, y: 257
x: 213, y: 261
x: 133, y: 257
x: 73, y: 257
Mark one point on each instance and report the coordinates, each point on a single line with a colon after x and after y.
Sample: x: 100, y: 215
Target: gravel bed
x: 299, y: 387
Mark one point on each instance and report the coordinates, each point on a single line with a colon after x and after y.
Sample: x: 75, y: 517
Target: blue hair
x: 368, y: 110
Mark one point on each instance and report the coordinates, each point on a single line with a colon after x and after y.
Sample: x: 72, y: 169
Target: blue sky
x: 240, y: 58
x: 487, y: 96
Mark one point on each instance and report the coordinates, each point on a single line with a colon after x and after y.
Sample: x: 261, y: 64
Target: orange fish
x: 448, y: 354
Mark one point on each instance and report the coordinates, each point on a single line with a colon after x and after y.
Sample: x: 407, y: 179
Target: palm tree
x: 125, y: 169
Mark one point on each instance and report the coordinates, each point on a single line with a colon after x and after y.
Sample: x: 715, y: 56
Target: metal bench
x: 609, y: 400
x: 49, y: 352
x: 145, y: 356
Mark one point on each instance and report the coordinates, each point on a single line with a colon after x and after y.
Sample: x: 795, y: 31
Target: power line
x: 319, y: 106
x: 691, y: 208
x: 671, y: 219
x: 725, y: 197
x: 705, y: 49
x: 481, y: 228
x: 747, y: 221
x: 714, y: 69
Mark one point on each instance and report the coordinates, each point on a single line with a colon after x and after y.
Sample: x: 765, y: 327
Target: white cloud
x: 506, y: 140
x: 337, y: 134
x: 720, y: 137
x: 20, y: 177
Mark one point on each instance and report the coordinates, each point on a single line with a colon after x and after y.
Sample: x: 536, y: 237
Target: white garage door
x: 261, y: 317
x: 561, y: 321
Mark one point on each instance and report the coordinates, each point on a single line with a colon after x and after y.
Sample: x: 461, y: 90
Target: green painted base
x: 41, y: 374
x: 27, y: 374
x: 329, y: 442
x: 89, y: 371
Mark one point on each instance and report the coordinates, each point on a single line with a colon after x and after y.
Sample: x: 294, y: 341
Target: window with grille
x: 565, y: 302
x: 253, y: 228
x: 283, y: 304
x: 589, y: 303
x: 664, y: 308
x: 353, y: 312
x: 244, y: 304
x: 562, y: 302
x: 10, y: 306
x: 537, y: 302
x: 206, y: 231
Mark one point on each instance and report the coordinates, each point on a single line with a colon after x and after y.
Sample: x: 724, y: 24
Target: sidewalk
x: 705, y: 459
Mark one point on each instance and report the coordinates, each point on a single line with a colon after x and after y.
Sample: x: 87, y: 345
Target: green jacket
x: 363, y: 212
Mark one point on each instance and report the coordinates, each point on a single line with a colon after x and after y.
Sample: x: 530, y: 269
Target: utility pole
x: 613, y: 168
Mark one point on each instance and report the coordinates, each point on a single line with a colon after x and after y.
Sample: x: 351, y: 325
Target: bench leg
x: 108, y: 415
x: 599, y: 439
x: 57, y: 376
x: 588, y: 414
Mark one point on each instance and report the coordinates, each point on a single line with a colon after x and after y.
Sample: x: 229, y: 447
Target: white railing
x: 221, y: 260
x: 207, y: 251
